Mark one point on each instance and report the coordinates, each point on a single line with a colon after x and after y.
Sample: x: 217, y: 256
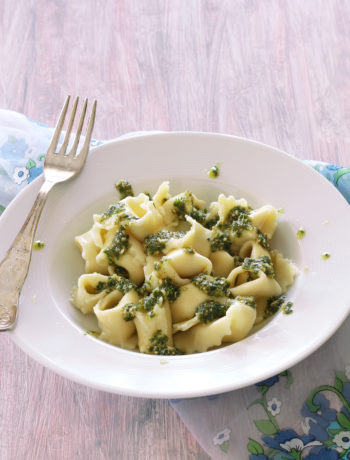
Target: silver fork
x: 58, y: 167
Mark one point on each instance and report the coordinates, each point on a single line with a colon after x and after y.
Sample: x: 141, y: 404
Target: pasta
x: 165, y: 275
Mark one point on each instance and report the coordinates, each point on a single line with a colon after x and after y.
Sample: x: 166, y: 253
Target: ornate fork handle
x: 15, y: 265
x: 59, y: 166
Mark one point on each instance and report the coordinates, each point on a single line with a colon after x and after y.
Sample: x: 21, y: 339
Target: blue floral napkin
x: 302, y: 413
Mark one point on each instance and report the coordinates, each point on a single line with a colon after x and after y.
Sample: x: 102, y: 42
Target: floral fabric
x: 302, y: 413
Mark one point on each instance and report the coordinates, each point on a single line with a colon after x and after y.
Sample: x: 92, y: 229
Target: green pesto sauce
x: 276, y: 303
x: 116, y: 283
x: 247, y: 300
x: 189, y: 250
x: 38, y: 244
x: 184, y: 206
x: 159, y: 345
x: 113, y: 209
x: 325, y: 255
x: 147, y: 304
x: 209, y: 223
x: 156, y: 243
x: 95, y: 334
x: 214, y: 172
x: 124, y: 188
x: 210, y: 310
x: 237, y: 261
x: 120, y: 244
x: 171, y: 290
x: 239, y: 215
x: 220, y: 240
x: 301, y: 233
x: 287, y: 308
x: 262, y: 239
x: 129, y: 311
x: 261, y: 264
x: 212, y: 286
x: 238, y: 220
x: 167, y: 290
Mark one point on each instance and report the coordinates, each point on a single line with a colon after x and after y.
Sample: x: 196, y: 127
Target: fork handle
x: 14, y: 267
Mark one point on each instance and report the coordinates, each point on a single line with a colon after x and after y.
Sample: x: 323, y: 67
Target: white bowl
x: 51, y: 331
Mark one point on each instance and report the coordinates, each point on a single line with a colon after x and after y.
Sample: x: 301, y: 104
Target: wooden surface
x: 274, y: 71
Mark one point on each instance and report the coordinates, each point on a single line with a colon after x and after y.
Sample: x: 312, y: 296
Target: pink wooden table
x: 275, y: 71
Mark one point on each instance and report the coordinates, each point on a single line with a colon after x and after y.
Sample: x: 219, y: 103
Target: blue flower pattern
x: 22, y: 153
x: 327, y: 430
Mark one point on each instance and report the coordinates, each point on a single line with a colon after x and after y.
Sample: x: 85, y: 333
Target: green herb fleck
x: 147, y: 304
x: 275, y: 303
x: 220, y: 240
x: 261, y: 264
x: 92, y: 333
x: 156, y: 243
x: 212, y: 286
x: 287, y: 308
x: 120, y: 244
x: 239, y: 215
x: 129, y: 311
x: 114, y: 209
x: 300, y: 233
x: 171, y: 290
x: 210, y: 310
x: 262, y: 239
x: 236, y: 222
x: 38, y: 244
x: 184, y: 206
x: 116, y: 283
x: 198, y: 214
x: 158, y: 345
x: 214, y: 171
x: 209, y: 223
x: 124, y: 188
x: 247, y: 300
x: 325, y: 255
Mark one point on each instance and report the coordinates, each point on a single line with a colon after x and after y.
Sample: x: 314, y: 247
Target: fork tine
x: 58, y: 129
x: 80, y: 127
x: 85, y: 149
x: 69, y: 128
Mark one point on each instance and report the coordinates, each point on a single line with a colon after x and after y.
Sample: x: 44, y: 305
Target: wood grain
x: 277, y: 71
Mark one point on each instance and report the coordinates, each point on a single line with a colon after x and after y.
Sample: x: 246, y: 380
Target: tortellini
x: 167, y: 275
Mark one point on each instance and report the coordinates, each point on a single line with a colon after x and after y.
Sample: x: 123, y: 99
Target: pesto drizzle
x: 184, y: 206
x: 212, y: 286
x: 210, y: 310
x: 156, y: 243
x: 159, y: 345
x: 116, y: 283
x: 261, y: 264
x: 247, y: 300
x: 237, y: 221
x: 167, y: 290
x: 114, y: 209
x: 276, y: 303
x: 124, y: 188
x: 120, y: 244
